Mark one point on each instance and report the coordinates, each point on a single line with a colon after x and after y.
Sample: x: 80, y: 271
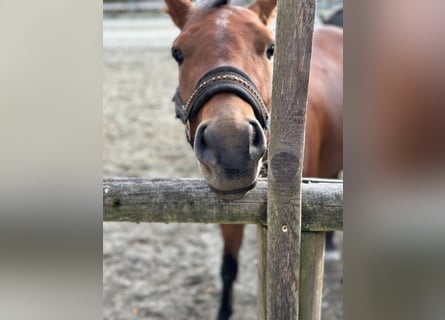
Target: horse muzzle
x: 230, y: 154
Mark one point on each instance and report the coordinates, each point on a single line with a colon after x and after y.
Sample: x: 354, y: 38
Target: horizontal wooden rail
x: 191, y: 200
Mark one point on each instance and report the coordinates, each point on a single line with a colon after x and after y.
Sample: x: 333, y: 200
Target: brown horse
x: 224, y: 98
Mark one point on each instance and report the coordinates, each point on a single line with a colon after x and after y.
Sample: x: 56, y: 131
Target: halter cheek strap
x: 225, y: 79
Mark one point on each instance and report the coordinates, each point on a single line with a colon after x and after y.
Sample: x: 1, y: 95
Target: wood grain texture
x: 261, y: 298
x: 190, y: 200
x: 295, y: 22
x: 311, y: 275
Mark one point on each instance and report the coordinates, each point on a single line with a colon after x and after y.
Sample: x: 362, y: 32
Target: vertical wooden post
x: 261, y: 300
x: 295, y: 23
x: 311, y: 275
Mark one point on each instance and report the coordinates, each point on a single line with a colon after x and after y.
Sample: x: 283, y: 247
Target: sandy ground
x: 159, y: 271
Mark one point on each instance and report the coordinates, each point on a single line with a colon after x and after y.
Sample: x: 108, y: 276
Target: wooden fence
x: 290, y: 262
x: 144, y: 5
x: 134, y: 6
x: 191, y: 201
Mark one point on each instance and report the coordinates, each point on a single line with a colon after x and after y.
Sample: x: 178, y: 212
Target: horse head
x: 225, y: 87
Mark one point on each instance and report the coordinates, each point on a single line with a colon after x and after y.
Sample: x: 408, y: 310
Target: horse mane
x: 218, y: 3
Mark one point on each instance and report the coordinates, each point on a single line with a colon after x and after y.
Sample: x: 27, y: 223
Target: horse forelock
x: 213, y: 4
x: 218, y: 3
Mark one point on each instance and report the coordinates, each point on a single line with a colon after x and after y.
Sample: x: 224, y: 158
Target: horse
x: 224, y: 54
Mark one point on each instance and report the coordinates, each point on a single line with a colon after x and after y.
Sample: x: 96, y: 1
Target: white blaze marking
x: 222, y: 23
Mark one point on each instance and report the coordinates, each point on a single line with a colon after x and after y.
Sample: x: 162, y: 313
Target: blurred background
x: 51, y: 82
x: 158, y: 271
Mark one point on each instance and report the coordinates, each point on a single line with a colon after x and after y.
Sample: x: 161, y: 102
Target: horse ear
x: 264, y: 9
x: 178, y: 10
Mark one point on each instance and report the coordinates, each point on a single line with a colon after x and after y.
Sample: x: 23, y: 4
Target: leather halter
x: 225, y: 79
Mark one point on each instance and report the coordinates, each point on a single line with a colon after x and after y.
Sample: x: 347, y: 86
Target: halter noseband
x: 225, y: 79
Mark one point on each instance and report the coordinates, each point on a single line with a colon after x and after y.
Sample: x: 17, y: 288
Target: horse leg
x: 331, y: 250
x: 330, y: 241
x: 232, y: 235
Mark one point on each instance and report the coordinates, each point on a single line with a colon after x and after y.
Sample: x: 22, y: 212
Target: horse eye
x: 177, y: 55
x: 270, y: 51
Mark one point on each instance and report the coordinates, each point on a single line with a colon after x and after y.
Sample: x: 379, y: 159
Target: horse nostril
x: 201, y: 145
x: 257, y: 140
x: 200, y: 139
x: 257, y: 135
